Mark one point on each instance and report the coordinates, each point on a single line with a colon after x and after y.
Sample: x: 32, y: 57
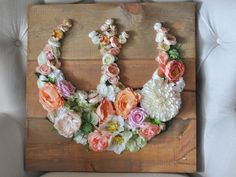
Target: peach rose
x: 111, y: 70
x: 50, y: 98
x: 148, y: 130
x: 115, y: 42
x: 98, y: 141
x: 105, y: 109
x: 174, y: 70
x: 125, y: 101
x: 162, y: 57
x: 114, y: 51
x: 43, y: 69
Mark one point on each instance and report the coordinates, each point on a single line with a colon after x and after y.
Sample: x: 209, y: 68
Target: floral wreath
x: 112, y: 117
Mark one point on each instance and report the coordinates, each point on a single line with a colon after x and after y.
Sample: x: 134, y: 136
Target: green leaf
x: 86, y: 128
x: 37, y: 74
x: 152, y: 120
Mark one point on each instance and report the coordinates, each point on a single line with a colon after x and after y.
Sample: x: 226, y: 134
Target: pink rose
x: 148, y: 130
x: 111, y: 70
x: 43, y: 69
x: 174, y: 70
x: 114, y: 80
x: 115, y: 42
x: 170, y: 39
x: 114, y: 51
x: 162, y: 57
x: 49, y: 52
x: 65, y: 88
x: 98, y: 141
x: 136, y: 117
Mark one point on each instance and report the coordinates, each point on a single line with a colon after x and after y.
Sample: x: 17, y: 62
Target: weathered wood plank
x: 169, y: 151
x: 85, y: 74
x: 138, y: 21
x: 172, y: 151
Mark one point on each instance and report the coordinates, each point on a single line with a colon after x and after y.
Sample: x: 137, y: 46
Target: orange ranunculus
x: 50, y: 98
x: 125, y: 101
x: 98, y: 141
x: 105, y: 109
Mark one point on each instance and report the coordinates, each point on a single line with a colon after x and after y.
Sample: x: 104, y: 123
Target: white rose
x: 92, y: 34
x: 103, y: 79
x: 102, y: 89
x: 111, y: 94
x: 180, y: 84
x: 157, y: 26
x: 41, y: 81
x: 95, y: 40
x: 160, y: 36
x: 67, y: 123
x: 56, y: 74
x: 109, y: 21
x: 108, y: 59
x: 42, y: 58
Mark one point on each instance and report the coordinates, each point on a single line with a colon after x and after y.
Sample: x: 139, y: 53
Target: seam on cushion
x: 203, y: 61
x: 203, y: 19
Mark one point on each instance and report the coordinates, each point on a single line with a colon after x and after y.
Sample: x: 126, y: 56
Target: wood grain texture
x: 173, y: 150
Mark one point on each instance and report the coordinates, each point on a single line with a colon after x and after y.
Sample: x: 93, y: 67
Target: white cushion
x: 112, y: 175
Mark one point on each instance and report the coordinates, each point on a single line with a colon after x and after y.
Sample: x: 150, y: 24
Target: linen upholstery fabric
x: 111, y: 175
x: 216, y: 92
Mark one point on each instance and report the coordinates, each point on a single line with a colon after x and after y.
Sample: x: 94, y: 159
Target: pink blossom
x: 136, y: 117
x: 65, y: 88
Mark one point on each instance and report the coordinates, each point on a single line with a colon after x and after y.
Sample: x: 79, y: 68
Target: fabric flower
x: 57, y: 34
x: 80, y: 138
x: 108, y: 59
x: 42, y: 58
x: 160, y: 99
x: 118, y: 142
x: 65, y: 88
x: 105, y: 109
x: 136, y: 143
x: 115, y: 42
x: 114, y: 80
x: 114, y: 51
x: 106, y: 91
x: 43, y: 69
x: 174, y: 70
x: 113, y: 125
x: 111, y: 70
x: 67, y: 123
x: 50, y: 98
x: 170, y: 39
x: 41, y: 81
x: 56, y: 74
x: 125, y: 101
x: 136, y: 117
x: 94, y: 97
x: 49, y: 52
x: 148, y: 130
x: 98, y: 141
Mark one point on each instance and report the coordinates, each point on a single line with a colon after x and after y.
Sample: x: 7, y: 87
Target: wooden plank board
x: 175, y: 149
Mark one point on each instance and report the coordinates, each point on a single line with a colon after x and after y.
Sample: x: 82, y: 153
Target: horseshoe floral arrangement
x: 112, y: 117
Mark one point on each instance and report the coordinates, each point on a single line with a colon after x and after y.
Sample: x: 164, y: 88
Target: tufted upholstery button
x: 219, y: 41
x: 17, y: 43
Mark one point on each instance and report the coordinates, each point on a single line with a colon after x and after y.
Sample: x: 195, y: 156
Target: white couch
x: 216, y: 94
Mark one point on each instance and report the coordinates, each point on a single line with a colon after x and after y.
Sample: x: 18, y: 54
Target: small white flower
x: 103, y: 79
x: 160, y: 36
x: 106, y: 91
x: 113, y: 125
x: 95, y: 40
x: 124, y: 34
x: 108, y: 59
x: 41, y: 81
x: 122, y: 39
x: 53, y: 42
x: 160, y: 99
x: 180, y: 84
x: 82, y: 96
x: 109, y: 21
x: 56, y: 74
x: 118, y: 142
x: 157, y: 26
x: 92, y: 34
x: 81, y: 138
x: 42, y: 58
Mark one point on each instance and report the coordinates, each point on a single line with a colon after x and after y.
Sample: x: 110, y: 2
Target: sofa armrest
x: 11, y: 147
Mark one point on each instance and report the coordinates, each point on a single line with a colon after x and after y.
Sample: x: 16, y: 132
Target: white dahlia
x: 160, y: 99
